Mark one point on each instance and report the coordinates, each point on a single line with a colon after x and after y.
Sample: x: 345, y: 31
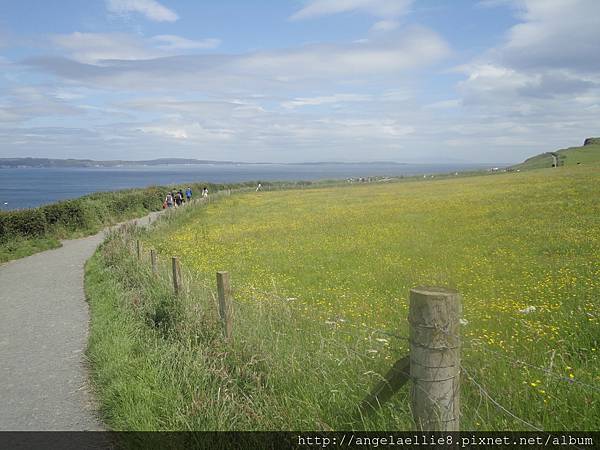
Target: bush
x: 72, y: 215
x: 88, y: 213
x: 26, y: 222
x: 3, y: 225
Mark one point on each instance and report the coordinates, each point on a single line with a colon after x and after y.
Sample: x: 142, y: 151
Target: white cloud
x: 415, y: 48
x: 555, y: 34
x: 161, y: 130
x: 123, y: 63
x: 217, y: 102
x: 177, y: 108
x: 357, y: 100
x: 323, y: 100
x: 385, y: 25
x: 91, y: 48
x: 546, y: 60
x: 23, y: 103
x: 445, y: 104
x: 94, y: 48
x: 171, y: 42
x: 524, y: 106
x: 151, y: 9
x: 495, y: 3
x: 378, y: 8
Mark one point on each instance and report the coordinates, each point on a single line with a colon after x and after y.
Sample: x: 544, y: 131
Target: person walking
x: 205, y: 192
x: 188, y: 193
x: 169, y: 200
x: 259, y: 187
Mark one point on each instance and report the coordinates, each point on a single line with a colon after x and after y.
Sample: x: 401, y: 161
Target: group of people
x: 176, y: 198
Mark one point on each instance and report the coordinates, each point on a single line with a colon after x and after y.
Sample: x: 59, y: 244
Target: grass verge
x: 160, y: 361
x: 22, y: 247
x: 302, y: 260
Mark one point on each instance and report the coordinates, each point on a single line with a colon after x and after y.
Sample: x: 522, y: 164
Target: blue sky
x: 301, y: 80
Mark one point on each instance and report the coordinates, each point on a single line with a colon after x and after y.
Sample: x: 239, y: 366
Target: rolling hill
x: 588, y: 153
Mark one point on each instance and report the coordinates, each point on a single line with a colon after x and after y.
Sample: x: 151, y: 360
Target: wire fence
x: 191, y: 279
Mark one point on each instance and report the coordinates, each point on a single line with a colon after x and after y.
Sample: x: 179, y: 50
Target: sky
x: 483, y: 81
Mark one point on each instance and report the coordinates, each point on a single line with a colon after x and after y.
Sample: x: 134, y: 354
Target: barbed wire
x: 357, y: 325
x: 344, y: 321
x: 474, y: 342
x: 490, y: 398
x: 543, y: 369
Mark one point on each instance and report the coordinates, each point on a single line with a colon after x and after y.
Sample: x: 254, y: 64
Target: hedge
x: 91, y: 211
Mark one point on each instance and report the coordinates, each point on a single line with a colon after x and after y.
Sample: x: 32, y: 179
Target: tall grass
x: 27, y: 231
x: 303, y: 262
x: 161, y: 362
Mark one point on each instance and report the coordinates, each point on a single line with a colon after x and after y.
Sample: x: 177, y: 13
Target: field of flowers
x: 523, y: 249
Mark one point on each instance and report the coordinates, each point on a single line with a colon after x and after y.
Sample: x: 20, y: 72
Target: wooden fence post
x: 224, y: 293
x: 138, y: 247
x: 392, y: 381
x: 176, y: 274
x: 153, y: 261
x: 434, y: 319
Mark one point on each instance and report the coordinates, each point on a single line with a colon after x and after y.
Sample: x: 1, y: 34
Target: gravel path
x: 43, y: 336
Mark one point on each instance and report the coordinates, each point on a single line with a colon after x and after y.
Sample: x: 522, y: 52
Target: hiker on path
x: 205, y: 192
x: 169, y: 200
x: 188, y: 193
x: 259, y: 187
x: 178, y: 198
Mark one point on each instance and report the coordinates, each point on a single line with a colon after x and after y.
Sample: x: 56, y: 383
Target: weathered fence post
x: 391, y: 382
x: 176, y: 274
x: 138, y: 247
x: 435, y: 358
x: 153, y: 261
x: 224, y: 293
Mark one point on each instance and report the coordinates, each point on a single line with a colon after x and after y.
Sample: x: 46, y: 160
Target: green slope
x: 586, y: 154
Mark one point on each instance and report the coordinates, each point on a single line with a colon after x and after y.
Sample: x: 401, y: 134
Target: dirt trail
x: 43, y: 335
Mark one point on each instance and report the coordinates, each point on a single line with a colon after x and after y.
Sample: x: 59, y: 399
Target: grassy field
x: 572, y: 156
x: 24, y: 232
x: 20, y: 247
x: 315, y: 274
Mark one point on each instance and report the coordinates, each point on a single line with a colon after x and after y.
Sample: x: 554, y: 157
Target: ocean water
x: 30, y: 187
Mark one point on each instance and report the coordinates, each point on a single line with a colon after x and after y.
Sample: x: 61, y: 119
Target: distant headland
x: 79, y: 163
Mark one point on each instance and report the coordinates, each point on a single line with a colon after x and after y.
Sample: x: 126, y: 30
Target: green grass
x: 20, y: 247
x: 160, y: 362
x: 27, y: 231
x: 584, y: 155
x: 313, y: 270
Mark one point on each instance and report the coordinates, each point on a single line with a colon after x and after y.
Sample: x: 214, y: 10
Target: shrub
x: 88, y: 213
x: 71, y: 215
x: 26, y: 222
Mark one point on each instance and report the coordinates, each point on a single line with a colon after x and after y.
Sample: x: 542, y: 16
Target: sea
x: 30, y: 187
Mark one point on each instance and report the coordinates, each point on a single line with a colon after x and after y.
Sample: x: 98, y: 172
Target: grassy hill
x: 589, y: 153
x: 320, y: 279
